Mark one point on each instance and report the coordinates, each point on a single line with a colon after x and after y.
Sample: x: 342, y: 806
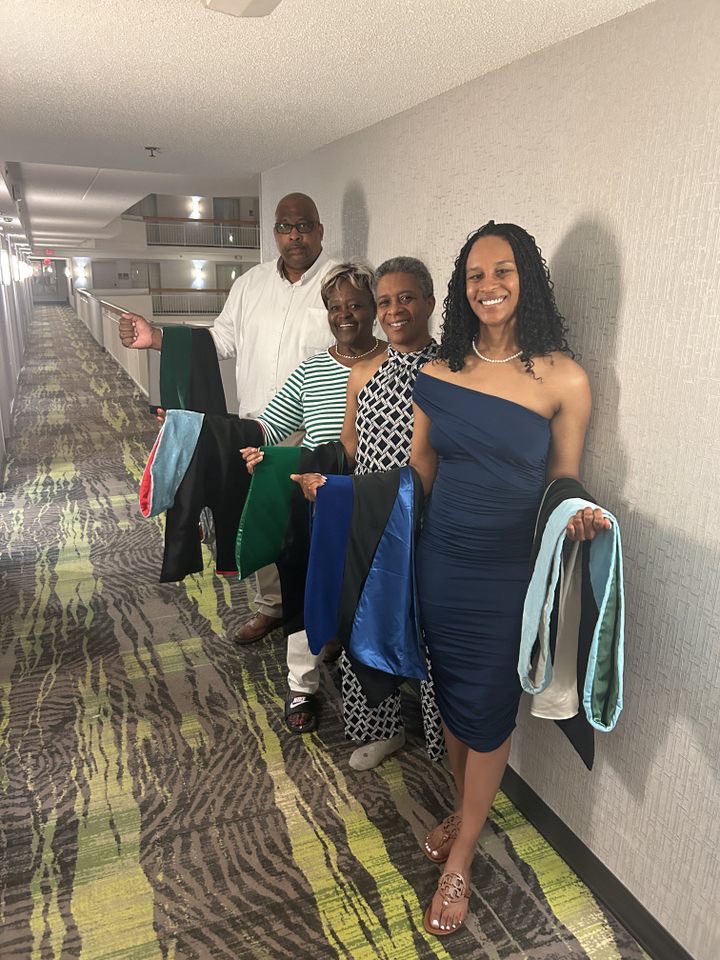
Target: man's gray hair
x: 357, y: 273
x: 407, y: 265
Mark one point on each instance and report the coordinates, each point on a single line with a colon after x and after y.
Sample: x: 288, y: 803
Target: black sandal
x: 301, y: 703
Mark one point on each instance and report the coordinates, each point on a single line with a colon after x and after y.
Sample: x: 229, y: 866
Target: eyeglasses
x: 302, y: 226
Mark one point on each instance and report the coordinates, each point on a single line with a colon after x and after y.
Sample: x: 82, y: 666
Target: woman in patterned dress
x: 377, y: 435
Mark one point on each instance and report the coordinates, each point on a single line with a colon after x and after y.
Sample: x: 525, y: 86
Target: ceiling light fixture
x: 242, y: 8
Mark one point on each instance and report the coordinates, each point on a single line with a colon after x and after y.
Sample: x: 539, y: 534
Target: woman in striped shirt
x: 313, y: 398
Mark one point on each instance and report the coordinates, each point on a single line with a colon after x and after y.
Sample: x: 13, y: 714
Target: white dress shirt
x: 271, y: 325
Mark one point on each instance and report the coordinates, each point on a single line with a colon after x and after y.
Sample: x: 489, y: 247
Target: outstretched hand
x: 135, y: 332
x: 252, y: 457
x: 586, y: 524
x: 309, y: 483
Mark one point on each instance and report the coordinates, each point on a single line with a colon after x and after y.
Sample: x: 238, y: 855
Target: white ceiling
x: 87, y: 84
x: 70, y: 204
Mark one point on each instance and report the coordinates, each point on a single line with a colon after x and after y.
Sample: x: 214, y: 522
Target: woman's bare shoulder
x: 436, y: 368
x: 564, y: 377
x: 559, y: 366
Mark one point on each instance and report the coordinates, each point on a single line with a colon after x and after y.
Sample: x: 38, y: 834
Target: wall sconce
x: 198, y: 273
x: 81, y: 269
x: 195, y: 208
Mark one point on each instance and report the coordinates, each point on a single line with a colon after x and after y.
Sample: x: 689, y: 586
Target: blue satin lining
x: 176, y: 447
x: 326, y: 566
x: 385, y: 633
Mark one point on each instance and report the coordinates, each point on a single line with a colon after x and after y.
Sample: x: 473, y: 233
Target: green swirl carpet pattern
x: 152, y: 804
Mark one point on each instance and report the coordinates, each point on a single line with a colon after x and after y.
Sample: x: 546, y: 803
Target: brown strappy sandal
x: 450, y: 829
x: 453, y: 888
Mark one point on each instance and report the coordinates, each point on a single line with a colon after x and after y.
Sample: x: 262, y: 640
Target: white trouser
x: 303, y: 665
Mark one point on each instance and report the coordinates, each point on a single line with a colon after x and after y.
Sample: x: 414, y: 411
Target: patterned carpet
x: 152, y: 804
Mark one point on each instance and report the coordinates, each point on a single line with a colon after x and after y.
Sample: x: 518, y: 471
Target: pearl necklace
x: 490, y: 360
x: 350, y: 356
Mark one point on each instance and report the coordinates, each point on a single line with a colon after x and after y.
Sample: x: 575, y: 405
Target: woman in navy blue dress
x: 503, y: 412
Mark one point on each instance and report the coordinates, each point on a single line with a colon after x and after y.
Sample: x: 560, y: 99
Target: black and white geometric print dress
x: 384, y: 426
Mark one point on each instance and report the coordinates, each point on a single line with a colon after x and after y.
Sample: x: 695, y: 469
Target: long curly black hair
x: 540, y: 327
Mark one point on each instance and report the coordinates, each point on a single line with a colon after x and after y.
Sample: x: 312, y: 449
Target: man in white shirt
x: 274, y: 318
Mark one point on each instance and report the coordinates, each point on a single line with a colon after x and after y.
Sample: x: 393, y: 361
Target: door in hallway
x: 49, y: 284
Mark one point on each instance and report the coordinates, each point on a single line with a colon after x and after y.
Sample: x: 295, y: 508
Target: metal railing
x: 188, y: 302
x: 90, y: 312
x: 102, y: 319
x: 203, y: 233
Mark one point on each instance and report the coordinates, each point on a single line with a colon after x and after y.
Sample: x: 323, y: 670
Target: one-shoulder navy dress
x: 474, y: 551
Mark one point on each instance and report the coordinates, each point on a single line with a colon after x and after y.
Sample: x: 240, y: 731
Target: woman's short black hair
x: 409, y: 265
x: 540, y: 327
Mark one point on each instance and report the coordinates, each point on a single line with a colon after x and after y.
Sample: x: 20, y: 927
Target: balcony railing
x: 202, y: 233
x: 102, y: 318
x: 180, y: 302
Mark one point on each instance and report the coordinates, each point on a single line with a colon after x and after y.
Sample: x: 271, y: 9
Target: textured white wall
x: 607, y: 148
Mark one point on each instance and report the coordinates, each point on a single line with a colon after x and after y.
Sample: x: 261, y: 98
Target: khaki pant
x: 269, y: 598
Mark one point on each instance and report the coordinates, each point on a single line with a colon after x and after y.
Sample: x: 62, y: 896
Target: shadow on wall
x: 672, y: 580
x: 587, y: 273
x: 355, y: 222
